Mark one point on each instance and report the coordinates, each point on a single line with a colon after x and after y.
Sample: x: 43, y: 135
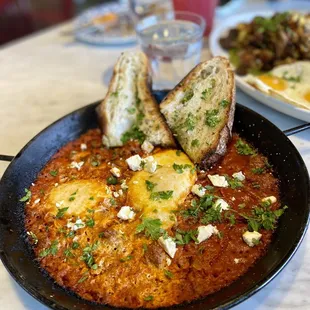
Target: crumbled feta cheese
x: 126, y: 213
x: 251, y: 237
x: 272, y: 199
x: 236, y: 260
x: 124, y: 185
x: 134, y: 162
x: 83, y: 146
x: 108, y: 190
x: 120, y: 192
x: 150, y: 164
x: 115, y: 194
x: 198, y: 190
x: 77, y: 225
x: 168, y: 245
x: 76, y: 165
x: 218, y: 180
x: 59, y: 203
x: 233, y: 198
x: 32, y: 184
x: 135, y: 182
x: 221, y: 203
x: 239, y: 176
x: 205, y: 232
x: 168, y: 261
x: 116, y: 172
x: 56, y: 184
x: 202, y: 171
x: 37, y: 201
x: 147, y: 147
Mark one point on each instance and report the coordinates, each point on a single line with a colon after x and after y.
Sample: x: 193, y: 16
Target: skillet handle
x: 297, y: 129
x: 6, y: 157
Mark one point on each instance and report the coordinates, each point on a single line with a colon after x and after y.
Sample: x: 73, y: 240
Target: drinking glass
x: 173, y: 43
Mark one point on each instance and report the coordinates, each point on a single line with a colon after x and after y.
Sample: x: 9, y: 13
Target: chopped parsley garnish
x: 259, y: 170
x: 224, y: 103
x: 126, y: 259
x: 112, y: 201
x: 168, y: 274
x: 231, y: 217
x: 131, y: 110
x: 255, y: 185
x: 70, y: 234
x: 95, y: 163
x: 150, y: 185
x: 180, y: 168
x: 262, y: 217
x: 190, y: 122
x: 178, y: 152
x: 144, y: 247
x: 241, y: 206
x: 206, y: 94
x: 53, y: 173
x: 243, y: 148
x: 87, y: 256
x: 133, y: 134
x: 68, y: 253
x: 205, y: 208
x: 151, y: 228
x: 162, y: 195
x: 188, y: 95
x: 27, y: 196
x: 34, y: 238
x: 295, y: 79
x: 52, y: 250
x: 234, y: 182
x: 195, y: 143
x: 83, y: 278
x: 212, y: 215
x: 212, y: 118
x: 71, y: 198
x: 184, y: 237
x: 112, y: 180
x: 114, y: 94
x: 91, y: 198
x: 90, y: 222
x: 75, y: 245
x: 101, y: 235
x: 61, y: 212
x: 149, y: 298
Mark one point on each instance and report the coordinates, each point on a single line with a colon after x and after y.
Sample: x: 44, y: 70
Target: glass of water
x: 173, y: 42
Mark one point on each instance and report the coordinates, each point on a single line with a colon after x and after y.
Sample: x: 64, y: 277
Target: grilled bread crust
x: 200, y: 111
x: 130, y: 107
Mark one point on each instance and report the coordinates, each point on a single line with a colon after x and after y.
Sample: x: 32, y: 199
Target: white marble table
x: 46, y: 76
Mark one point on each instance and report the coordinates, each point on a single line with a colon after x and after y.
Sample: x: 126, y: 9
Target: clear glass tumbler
x: 173, y: 43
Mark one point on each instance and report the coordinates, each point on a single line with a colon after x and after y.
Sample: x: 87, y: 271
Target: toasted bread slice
x: 129, y: 111
x: 200, y: 111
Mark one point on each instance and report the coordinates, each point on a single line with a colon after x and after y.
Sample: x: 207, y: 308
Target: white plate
x: 216, y: 49
x: 102, y: 37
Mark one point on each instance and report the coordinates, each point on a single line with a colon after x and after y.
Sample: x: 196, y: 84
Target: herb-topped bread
x: 129, y: 110
x: 200, y: 111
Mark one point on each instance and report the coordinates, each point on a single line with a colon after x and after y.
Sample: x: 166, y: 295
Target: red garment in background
x: 21, y: 17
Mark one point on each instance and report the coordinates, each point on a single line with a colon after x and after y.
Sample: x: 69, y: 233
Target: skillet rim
x: 229, y: 304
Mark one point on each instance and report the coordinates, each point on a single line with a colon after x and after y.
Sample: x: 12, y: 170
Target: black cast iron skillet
x: 18, y: 257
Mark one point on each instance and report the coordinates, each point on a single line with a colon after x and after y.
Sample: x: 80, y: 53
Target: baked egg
x: 158, y: 194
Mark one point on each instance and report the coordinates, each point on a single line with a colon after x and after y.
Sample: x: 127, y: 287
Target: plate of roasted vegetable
x: 271, y: 56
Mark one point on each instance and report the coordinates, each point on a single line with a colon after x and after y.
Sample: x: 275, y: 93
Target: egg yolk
x: 307, y: 96
x: 274, y: 82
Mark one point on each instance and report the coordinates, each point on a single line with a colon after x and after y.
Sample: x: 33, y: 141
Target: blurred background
x: 22, y: 17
